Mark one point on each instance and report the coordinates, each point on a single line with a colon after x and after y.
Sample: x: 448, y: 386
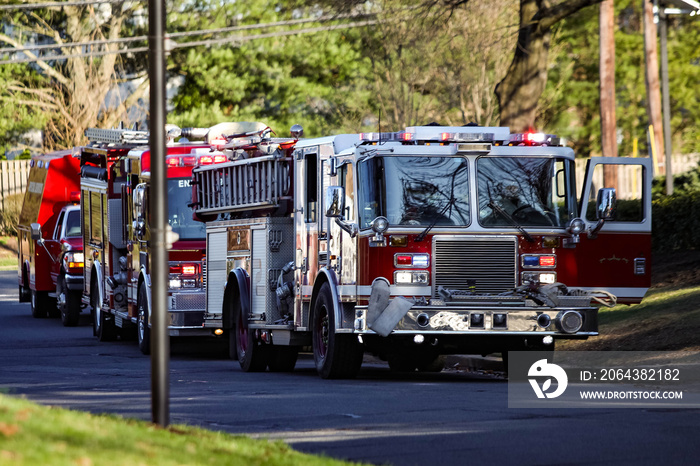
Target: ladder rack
x: 117, y: 136
x: 243, y: 185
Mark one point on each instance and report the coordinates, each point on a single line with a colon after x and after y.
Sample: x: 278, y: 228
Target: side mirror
x: 35, y: 231
x: 335, y: 201
x: 606, y: 203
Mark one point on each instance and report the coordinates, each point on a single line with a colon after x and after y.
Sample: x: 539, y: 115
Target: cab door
x: 617, y: 257
x: 306, y: 220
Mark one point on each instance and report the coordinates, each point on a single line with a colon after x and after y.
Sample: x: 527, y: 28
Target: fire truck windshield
x: 179, y: 214
x: 527, y: 191
x: 411, y: 190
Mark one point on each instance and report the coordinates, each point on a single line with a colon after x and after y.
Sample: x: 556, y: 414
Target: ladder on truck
x: 250, y: 184
x: 117, y: 136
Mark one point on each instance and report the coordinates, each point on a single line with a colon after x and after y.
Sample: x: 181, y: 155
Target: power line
x: 36, y: 6
x: 245, y: 27
x: 239, y: 39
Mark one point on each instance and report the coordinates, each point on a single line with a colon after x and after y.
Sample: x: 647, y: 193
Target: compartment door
x: 618, y: 260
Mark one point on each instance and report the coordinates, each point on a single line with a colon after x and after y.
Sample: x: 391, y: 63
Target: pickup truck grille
x: 486, y: 262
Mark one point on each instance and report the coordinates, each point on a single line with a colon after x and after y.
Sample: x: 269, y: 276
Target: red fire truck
x: 115, y: 176
x: 50, y: 266
x: 417, y: 244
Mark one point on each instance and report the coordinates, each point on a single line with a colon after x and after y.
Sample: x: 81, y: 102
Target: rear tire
x: 143, y: 330
x: 401, y: 363
x: 430, y: 363
x: 39, y: 303
x: 68, y: 303
x: 283, y: 358
x: 103, y: 323
x: 337, y: 356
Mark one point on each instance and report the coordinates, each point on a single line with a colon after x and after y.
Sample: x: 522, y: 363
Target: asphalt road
x: 451, y: 418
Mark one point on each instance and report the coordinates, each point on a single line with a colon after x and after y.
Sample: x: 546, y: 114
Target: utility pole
x: 158, y: 268
x: 608, y: 125
x: 663, y: 39
x: 653, y: 86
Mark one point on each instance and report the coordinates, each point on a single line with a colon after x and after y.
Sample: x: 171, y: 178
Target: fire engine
x: 115, y: 179
x: 417, y: 244
x: 50, y: 265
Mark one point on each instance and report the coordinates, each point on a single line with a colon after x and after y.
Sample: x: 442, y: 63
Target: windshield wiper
x: 423, y: 233
x: 512, y: 221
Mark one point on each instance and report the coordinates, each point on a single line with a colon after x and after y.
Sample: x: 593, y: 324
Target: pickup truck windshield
x: 533, y: 191
x: 73, y: 223
x: 179, y: 214
x: 415, y: 191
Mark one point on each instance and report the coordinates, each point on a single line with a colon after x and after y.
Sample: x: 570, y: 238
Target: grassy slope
x: 32, y: 434
x: 667, y: 319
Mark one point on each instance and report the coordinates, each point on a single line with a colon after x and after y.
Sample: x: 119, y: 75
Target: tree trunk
x: 608, y: 128
x: 520, y: 90
x: 523, y: 84
x: 653, y: 86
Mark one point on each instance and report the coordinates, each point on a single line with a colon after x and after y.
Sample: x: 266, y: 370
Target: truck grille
x: 487, y: 264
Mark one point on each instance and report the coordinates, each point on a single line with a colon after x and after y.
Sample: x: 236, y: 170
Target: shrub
x: 9, y: 217
x: 676, y: 221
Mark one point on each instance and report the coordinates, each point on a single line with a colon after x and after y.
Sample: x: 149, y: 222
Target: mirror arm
x: 593, y: 234
x: 351, y: 228
x: 42, y: 243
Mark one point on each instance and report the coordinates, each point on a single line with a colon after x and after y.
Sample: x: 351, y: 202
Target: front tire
x: 337, y: 356
x: 68, y: 303
x: 143, y: 330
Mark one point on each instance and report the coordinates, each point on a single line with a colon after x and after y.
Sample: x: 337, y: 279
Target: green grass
x: 667, y: 319
x: 31, y: 434
x: 8, y: 262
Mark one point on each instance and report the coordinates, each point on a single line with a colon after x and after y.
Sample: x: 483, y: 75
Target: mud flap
x: 383, y: 315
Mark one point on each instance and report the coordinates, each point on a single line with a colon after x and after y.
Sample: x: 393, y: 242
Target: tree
x: 316, y: 80
x: 439, y: 66
x: 520, y: 90
x: 17, y: 119
x: 71, y: 93
x: 570, y: 106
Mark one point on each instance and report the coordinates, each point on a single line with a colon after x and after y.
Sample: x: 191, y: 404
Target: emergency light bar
x: 402, y: 136
x: 534, y: 139
x: 196, y: 157
x: 460, y: 133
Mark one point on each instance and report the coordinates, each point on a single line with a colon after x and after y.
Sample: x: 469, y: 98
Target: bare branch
x: 40, y: 62
x: 548, y: 17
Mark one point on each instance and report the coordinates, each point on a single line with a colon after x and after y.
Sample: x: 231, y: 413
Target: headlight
x: 541, y: 277
x: 411, y: 277
x: 577, y: 226
x: 379, y: 224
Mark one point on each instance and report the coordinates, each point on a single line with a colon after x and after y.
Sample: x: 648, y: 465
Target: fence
x: 630, y: 179
x: 13, y: 178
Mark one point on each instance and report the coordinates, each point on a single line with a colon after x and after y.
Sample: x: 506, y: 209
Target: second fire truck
x: 115, y: 180
x: 417, y: 244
